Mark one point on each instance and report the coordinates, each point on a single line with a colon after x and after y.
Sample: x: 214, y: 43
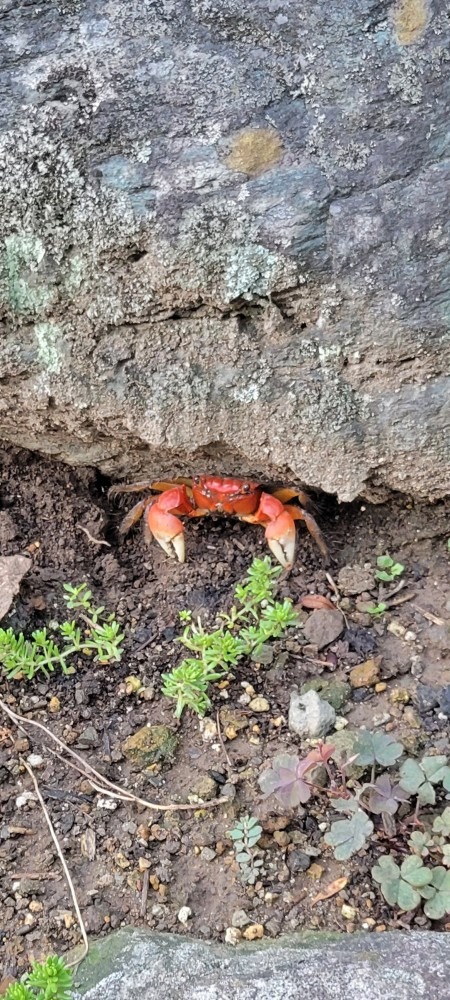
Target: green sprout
x: 23, y: 657
x: 387, y: 569
x: 374, y: 609
x: 50, y: 980
x: 254, y: 618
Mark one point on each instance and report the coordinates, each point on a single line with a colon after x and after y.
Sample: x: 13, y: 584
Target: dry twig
x: 63, y: 863
x: 97, y: 780
x: 219, y: 733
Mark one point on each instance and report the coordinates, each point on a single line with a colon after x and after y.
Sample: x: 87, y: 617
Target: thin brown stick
x: 335, y: 588
x: 63, y: 863
x: 104, y: 783
x: 124, y: 794
x: 95, y: 541
x: 219, y: 733
x: 429, y: 616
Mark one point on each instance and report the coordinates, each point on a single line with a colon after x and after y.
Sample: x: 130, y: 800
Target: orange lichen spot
x: 410, y: 20
x: 254, y: 150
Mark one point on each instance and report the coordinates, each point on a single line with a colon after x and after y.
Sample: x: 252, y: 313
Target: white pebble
x: 208, y: 729
x: 109, y: 804
x: 35, y: 760
x: 23, y: 799
x: 232, y: 935
x: 184, y: 914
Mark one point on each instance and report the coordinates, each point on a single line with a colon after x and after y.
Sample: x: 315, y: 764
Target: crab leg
x: 163, y: 523
x: 280, y: 530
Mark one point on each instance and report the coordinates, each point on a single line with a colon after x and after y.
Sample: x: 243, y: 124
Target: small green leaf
x: 382, y: 575
x: 349, y: 835
x: 439, y: 905
x: 384, y: 562
x: 378, y: 747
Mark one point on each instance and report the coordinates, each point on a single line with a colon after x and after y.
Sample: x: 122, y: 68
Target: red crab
x: 217, y: 495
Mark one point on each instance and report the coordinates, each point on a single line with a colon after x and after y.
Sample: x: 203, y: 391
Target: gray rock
x: 427, y: 697
x: 240, y: 919
x: 337, y: 693
x: 298, y: 861
x: 135, y: 965
x: 208, y: 245
x: 323, y: 626
x: 309, y: 715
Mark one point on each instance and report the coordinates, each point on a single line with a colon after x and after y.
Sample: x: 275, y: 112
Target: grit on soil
x: 45, y: 506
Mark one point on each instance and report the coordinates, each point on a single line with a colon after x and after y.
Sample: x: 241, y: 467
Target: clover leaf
x: 439, y: 904
x: 285, y: 779
x: 418, y: 778
x: 403, y: 885
x: 385, y: 797
x: 377, y: 748
x: 347, y: 836
x: 441, y: 824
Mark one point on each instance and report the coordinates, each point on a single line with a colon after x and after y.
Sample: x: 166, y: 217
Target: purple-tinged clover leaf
x: 285, y: 779
x: 384, y: 797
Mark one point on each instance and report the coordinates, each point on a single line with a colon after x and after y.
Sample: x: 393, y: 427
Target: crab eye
x: 196, y: 480
x: 246, y: 488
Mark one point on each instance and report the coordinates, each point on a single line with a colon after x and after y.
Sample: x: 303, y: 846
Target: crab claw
x: 168, y: 530
x: 280, y: 535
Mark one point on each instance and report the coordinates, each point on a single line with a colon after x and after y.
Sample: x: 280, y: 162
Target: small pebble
x: 240, y: 919
x: 184, y: 914
x: 259, y: 705
x: 366, y: 674
x: 35, y: 760
x: 397, y: 629
x: 233, y: 935
x: 410, y: 637
x: 281, y: 838
x: 380, y: 687
x: 399, y: 696
x: 207, y: 854
x: 54, y: 705
x: 254, y: 932
x: 23, y: 799
x: 411, y: 718
x: 340, y: 723
x: 208, y: 729
x: 348, y: 912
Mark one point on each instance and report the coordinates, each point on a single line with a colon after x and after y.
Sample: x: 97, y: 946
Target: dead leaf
x: 87, y: 844
x: 5, y: 984
x: 316, y: 601
x: 331, y: 890
x: 12, y: 569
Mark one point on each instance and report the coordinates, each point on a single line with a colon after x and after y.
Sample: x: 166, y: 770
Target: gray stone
x: 240, y: 919
x: 337, y: 693
x: 135, y: 965
x: 225, y: 241
x: 309, y: 715
x: 427, y: 697
x: 323, y: 626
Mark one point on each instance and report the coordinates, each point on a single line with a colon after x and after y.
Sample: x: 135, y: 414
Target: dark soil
x: 43, y: 508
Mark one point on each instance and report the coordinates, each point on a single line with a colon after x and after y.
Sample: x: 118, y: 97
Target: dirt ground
x: 187, y: 854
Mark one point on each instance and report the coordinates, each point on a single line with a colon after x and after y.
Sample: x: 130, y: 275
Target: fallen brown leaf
x: 316, y: 601
x: 12, y: 569
x: 331, y: 890
x: 5, y: 984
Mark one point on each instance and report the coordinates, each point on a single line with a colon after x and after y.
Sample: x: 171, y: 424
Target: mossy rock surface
x: 150, y: 745
x: 138, y: 965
